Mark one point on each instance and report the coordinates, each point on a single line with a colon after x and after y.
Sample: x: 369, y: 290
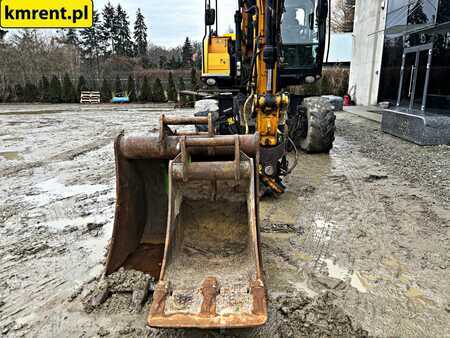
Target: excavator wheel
x: 317, y: 126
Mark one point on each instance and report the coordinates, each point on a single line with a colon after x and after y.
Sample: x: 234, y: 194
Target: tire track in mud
x: 68, y: 155
x: 384, y: 307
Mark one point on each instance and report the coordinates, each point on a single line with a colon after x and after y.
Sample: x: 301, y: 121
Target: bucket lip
x: 230, y: 321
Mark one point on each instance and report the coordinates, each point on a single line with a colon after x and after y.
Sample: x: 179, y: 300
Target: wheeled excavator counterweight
x: 187, y: 209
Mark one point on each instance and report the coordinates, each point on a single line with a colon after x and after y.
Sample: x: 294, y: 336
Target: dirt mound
x: 313, y: 317
x: 123, y: 291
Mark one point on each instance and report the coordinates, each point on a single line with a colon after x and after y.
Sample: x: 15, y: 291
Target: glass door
x: 414, y: 77
x: 408, y: 71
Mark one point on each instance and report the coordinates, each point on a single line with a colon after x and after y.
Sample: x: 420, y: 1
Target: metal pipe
x: 200, y: 171
x: 149, y: 146
x: 185, y: 120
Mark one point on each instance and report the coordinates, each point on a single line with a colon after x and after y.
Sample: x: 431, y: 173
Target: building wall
x: 368, y: 40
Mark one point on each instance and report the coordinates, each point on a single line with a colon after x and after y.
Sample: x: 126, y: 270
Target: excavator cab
x: 303, y: 29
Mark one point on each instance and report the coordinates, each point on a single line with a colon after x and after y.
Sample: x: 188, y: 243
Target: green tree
x: 82, y: 85
x: 91, y: 43
x: 68, y: 90
x: 140, y: 34
x: 30, y: 93
x: 195, y: 85
x: 108, y: 28
x: 123, y: 44
x: 9, y: 95
x: 173, y: 63
x: 18, y: 89
x: 146, y: 91
x: 44, y: 89
x: 105, y: 91
x: 131, y: 88
x: 172, y: 89
x: 162, y: 62
x: 71, y: 37
x: 187, y: 52
x: 94, y: 85
x: 182, y: 87
x: 118, y: 85
x: 158, y: 91
x: 55, y: 91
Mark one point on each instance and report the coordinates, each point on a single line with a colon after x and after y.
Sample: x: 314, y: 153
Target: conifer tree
x: 171, y: 89
x: 187, y: 53
x: 173, y: 63
x: 68, y: 90
x: 105, y: 91
x: 194, y: 80
x: 109, y: 28
x: 118, y: 85
x: 94, y: 85
x: 92, y: 44
x: 131, y: 88
x: 30, y: 93
x: 55, y: 91
x: 8, y: 97
x: 18, y: 89
x: 123, y: 43
x: 82, y: 85
x: 71, y: 37
x: 146, y: 91
x: 158, y: 91
x: 44, y: 89
x: 182, y: 87
x: 140, y: 34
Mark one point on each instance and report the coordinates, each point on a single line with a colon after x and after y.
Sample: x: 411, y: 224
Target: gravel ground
x: 358, y: 245
x: 424, y: 166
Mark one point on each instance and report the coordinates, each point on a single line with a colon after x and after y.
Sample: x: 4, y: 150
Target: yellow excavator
x: 187, y: 209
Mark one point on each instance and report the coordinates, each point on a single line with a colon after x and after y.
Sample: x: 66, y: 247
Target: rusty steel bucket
x: 187, y: 214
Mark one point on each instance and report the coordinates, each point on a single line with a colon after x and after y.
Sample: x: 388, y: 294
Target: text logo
x: 46, y: 13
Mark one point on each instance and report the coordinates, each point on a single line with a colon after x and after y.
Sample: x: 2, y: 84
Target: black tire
x: 318, y: 136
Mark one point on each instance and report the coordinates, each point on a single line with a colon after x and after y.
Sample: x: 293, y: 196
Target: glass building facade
x: 415, y: 71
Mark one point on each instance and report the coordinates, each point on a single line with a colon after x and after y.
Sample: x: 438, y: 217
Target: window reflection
x: 422, y: 12
x: 439, y: 85
x: 443, y: 14
x: 298, y: 26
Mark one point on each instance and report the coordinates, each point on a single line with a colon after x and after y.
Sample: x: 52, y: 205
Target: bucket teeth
x: 210, y: 289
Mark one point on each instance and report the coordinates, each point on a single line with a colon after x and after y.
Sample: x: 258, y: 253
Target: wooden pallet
x: 90, y: 98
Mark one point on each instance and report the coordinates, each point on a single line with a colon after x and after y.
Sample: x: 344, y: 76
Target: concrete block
x: 422, y: 129
x: 336, y: 101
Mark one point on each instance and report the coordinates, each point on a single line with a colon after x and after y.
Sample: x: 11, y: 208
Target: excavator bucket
x: 187, y: 214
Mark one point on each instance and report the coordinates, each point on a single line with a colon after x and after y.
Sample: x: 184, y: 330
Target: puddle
x: 325, y: 229
x: 53, y: 190
x: 11, y: 155
x: 338, y: 272
x: 36, y: 112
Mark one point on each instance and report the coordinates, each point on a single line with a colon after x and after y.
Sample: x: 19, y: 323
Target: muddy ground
x: 359, y: 245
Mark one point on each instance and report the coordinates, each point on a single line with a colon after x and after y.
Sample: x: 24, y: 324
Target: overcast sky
x: 170, y: 21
